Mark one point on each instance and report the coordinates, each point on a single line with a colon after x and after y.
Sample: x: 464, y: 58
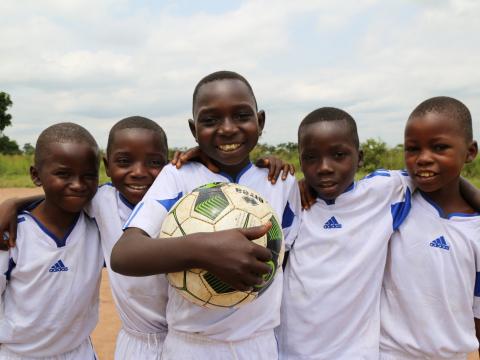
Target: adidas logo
x: 58, y: 266
x: 332, y: 223
x: 440, y: 243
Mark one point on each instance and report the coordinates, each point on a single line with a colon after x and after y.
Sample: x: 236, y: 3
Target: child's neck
x: 450, y: 200
x: 56, y: 220
x: 235, y: 170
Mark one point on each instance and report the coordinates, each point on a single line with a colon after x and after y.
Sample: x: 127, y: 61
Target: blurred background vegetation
x: 14, y: 169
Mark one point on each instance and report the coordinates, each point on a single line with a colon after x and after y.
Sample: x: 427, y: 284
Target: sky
x: 95, y: 62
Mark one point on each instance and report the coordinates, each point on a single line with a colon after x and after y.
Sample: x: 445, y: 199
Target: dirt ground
x: 106, y: 331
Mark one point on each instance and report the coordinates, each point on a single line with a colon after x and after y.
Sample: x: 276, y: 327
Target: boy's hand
x: 275, y: 166
x: 234, y: 258
x: 307, y: 195
x: 8, y: 223
x: 193, y: 154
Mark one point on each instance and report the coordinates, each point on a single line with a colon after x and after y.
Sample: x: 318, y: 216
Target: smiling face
x: 68, y: 174
x: 435, y: 151
x: 329, y: 157
x: 226, y: 123
x: 135, y: 159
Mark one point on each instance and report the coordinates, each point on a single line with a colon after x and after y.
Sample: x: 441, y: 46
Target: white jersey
x: 334, y: 272
x: 428, y: 304
x: 220, y: 324
x: 140, y: 301
x: 51, y: 288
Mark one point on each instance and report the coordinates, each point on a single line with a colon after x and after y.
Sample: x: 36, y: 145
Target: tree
x: 7, y: 146
x: 5, y: 119
x: 28, y: 149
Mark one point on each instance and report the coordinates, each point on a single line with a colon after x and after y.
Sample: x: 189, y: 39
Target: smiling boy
x: 52, y: 276
x: 430, y: 301
x: 226, y: 124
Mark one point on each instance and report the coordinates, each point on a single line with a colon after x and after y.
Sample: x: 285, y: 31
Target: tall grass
x: 15, y: 171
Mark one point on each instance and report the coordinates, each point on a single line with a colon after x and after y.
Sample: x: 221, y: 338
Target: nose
x: 324, y: 166
x: 138, y: 169
x: 424, y: 157
x: 227, y: 126
x: 77, y: 184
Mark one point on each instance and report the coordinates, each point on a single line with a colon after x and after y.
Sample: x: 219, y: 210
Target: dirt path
x: 106, y: 331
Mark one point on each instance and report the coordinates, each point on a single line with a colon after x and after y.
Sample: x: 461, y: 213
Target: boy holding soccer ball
x: 226, y: 124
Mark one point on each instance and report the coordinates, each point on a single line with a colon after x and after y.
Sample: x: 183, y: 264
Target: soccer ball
x: 215, y: 207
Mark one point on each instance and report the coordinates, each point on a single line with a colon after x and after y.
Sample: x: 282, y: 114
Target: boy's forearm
x: 477, y: 331
x: 470, y: 193
x: 22, y: 203
x: 137, y: 254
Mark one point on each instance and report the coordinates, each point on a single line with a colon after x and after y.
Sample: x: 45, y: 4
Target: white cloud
x: 96, y: 62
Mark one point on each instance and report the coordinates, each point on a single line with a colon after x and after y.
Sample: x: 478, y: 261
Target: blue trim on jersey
x: 332, y: 201
x: 125, y: 201
x: 378, y: 172
x: 237, y: 179
x: 20, y: 219
x: 400, y: 210
x: 168, y: 203
x: 135, y: 211
x: 287, y: 217
x: 60, y: 242
x: 440, y: 211
x: 11, y: 265
x: 476, y: 292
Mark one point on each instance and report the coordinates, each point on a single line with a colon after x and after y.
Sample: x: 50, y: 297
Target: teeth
x: 228, y: 147
x: 138, y: 187
x: 425, y: 174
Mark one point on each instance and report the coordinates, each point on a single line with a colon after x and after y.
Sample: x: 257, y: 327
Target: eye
x: 208, y: 120
x: 91, y: 176
x: 411, y: 149
x: 440, y: 147
x: 339, y: 155
x: 156, y: 163
x: 243, y: 115
x: 62, y: 174
x: 123, y: 161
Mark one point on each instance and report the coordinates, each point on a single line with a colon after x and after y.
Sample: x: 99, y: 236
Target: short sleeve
x: 291, y: 216
x: 149, y: 213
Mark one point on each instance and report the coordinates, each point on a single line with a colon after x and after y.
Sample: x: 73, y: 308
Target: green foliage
x: 28, y: 149
x: 8, y: 147
x: 5, y: 103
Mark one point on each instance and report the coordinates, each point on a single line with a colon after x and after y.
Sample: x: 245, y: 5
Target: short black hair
x: 221, y: 75
x: 330, y: 114
x: 138, y: 122
x: 457, y: 110
x: 65, y: 132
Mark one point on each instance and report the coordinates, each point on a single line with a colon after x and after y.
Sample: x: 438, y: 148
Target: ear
x: 193, y: 130
x: 261, y: 121
x: 472, y: 152
x: 34, y: 176
x: 360, y: 158
x: 105, y: 163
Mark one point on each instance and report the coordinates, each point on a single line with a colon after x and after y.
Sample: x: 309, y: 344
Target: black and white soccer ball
x: 215, y: 207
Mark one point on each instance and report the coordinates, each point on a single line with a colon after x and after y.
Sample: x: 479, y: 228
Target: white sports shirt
x: 141, y: 301
x: 432, y: 274
x: 50, y: 288
x: 334, y: 272
x: 221, y: 324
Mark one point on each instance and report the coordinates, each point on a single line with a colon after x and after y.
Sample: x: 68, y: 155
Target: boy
x: 52, y: 277
x: 226, y: 124
x: 330, y: 307
x: 430, y: 293
x: 137, y: 151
